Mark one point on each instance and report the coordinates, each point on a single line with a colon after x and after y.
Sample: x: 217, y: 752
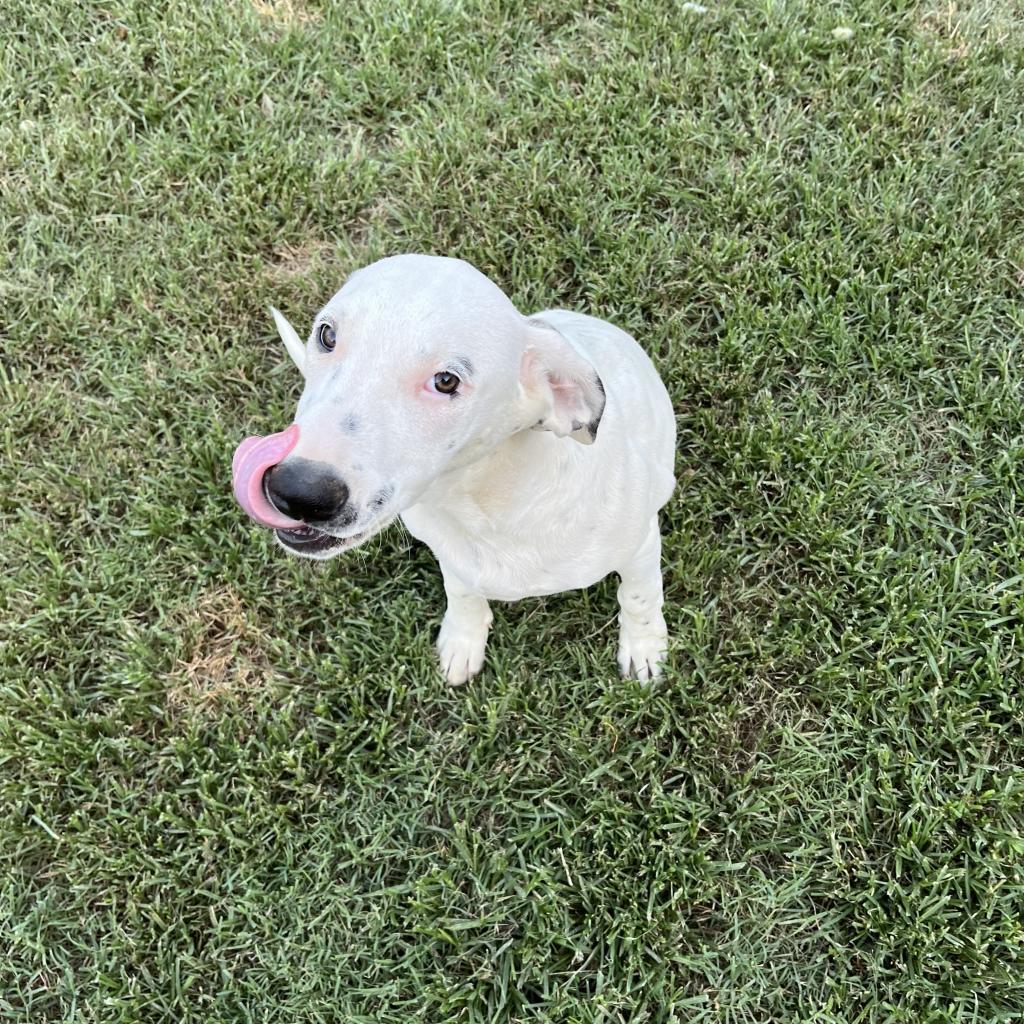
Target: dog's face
x: 416, y: 367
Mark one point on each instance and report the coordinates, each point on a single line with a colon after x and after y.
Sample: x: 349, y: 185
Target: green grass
x: 234, y: 788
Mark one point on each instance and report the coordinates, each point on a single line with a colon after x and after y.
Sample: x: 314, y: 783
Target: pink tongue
x: 252, y: 458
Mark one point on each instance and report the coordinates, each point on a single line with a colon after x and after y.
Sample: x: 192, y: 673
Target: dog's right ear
x: 291, y: 340
x: 569, y: 391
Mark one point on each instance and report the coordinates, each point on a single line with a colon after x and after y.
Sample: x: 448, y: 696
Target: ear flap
x: 291, y: 340
x: 567, y: 387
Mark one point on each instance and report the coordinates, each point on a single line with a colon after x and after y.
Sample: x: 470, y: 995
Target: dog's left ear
x: 566, y: 385
x: 291, y: 340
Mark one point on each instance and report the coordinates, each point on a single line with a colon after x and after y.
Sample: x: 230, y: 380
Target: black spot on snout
x: 381, y: 498
x: 350, y: 424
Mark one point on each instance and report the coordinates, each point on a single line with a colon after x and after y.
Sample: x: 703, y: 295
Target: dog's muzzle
x: 252, y: 458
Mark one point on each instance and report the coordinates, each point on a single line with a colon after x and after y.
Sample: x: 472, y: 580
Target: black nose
x: 306, y: 490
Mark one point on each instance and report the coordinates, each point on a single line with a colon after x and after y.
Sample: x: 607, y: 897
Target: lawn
x: 233, y: 786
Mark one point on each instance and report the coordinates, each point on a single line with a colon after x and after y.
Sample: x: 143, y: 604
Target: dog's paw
x: 642, y: 653
x: 461, y: 654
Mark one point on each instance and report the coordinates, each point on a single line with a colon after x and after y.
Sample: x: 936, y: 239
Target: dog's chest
x: 527, y: 524
x: 496, y: 562
x: 504, y: 560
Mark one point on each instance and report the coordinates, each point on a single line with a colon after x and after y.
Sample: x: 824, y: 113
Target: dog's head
x: 419, y: 366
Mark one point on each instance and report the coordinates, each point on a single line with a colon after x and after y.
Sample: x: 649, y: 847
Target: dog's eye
x: 446, y: 383
x: 327, y: 336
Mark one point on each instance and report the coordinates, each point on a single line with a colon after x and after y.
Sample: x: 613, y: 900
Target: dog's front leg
x: 463, y: 636
x: 643, y: 636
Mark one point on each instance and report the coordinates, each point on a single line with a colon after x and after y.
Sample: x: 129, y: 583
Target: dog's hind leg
x: 643, y: 635
x: 463, y: 636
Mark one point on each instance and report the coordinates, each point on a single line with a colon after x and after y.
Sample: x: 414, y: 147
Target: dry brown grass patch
x: 224, y: 659
x: 963, y: 25
x: 285, y: 13
x: 290, y: 263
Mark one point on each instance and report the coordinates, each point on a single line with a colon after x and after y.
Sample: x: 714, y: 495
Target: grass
x: 234, y: 788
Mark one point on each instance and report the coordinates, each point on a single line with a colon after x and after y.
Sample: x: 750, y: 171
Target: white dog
x: 530, y: 454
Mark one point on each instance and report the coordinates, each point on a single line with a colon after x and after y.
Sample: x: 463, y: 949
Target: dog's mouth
x: 249, y: 466
x: 308, y: 540
x: 313, y: 543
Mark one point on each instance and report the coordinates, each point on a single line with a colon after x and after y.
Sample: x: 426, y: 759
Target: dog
x: 531, y: 454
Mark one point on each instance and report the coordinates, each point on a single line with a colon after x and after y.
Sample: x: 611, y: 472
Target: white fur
x: 494, y: 482
x: 291, y: 339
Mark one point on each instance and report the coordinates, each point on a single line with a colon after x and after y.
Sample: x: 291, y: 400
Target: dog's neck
x: 497, y: 475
